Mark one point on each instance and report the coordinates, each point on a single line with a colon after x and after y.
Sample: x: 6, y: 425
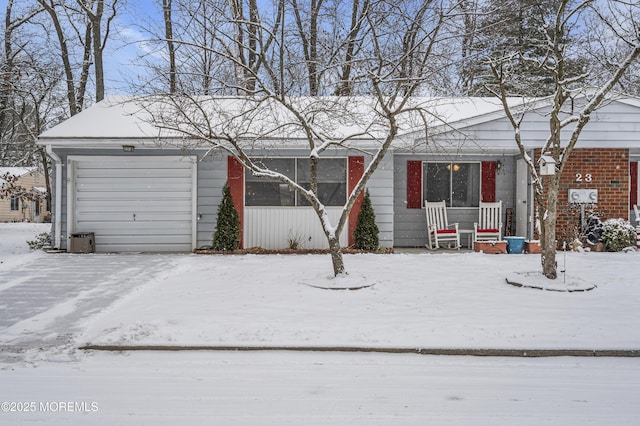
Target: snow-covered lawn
x: 13, y: 242
x: 416, y: 300
x: 412, y: 300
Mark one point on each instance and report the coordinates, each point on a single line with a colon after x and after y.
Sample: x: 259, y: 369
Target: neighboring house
x: 137, y: 190
x: 18, y: 206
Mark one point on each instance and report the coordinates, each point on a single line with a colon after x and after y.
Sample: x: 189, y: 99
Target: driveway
x: 44, y: 303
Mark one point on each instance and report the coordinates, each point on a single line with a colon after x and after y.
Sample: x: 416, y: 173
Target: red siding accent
x: 633, y: 186
x: 356, y: 170
x: 414, y: 184
x: 235, y: 179
x: 488, y: 190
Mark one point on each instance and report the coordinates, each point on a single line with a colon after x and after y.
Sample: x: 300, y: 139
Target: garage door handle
x: 134, y: 217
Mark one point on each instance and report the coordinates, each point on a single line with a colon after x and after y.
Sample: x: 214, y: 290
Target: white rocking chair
x: 438, y: 226
x: 489, y: 225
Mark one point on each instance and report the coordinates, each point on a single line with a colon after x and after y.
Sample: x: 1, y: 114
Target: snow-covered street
x: 284, y: 388
x: 54, y: 303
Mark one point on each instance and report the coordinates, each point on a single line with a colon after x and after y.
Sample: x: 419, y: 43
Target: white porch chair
x: 438, y: 226
x: 489, y: 225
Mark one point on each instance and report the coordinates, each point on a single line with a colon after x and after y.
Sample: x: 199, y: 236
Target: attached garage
x: 133, y: 204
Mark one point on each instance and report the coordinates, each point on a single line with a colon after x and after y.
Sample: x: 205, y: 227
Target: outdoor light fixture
x: 128, y: 148
x: 499, y: 165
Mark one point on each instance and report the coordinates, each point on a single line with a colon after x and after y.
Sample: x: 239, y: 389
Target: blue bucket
x: 515, y: 245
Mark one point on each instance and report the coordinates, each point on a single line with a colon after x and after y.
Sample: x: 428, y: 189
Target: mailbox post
x: 583, y: 197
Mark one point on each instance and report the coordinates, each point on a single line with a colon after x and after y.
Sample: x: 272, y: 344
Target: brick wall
x: 606, y: 170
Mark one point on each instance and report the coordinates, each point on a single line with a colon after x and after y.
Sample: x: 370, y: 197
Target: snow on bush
x: 618, y: 234
x: 41, y: 242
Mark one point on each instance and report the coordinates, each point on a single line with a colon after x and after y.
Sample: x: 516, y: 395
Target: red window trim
x: 633, y: 184
x: 488, y: 182
x: 235, y: 180
x: 355, y: 172
x: 414, y: 184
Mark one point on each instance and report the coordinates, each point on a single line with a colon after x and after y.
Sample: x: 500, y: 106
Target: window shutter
x: 633, y: 184
x: 414, y: 184
x: 235, y: 179
x: 488, y: 190
x: 356, y: 170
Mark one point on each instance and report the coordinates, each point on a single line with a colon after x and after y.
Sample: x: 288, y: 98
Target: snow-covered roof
x: 119, y: 118
x: 131, y: 121
x: 15, y: 171
x: 115, y: 117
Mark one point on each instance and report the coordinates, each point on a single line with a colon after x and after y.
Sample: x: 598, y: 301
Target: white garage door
x: 134, y: 204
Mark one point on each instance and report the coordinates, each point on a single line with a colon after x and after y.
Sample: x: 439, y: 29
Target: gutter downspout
x: 57, y: 228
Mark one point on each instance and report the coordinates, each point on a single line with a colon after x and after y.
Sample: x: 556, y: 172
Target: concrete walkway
x: 43, y: 303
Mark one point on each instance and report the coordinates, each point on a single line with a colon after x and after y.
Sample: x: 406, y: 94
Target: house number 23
x: 586, y: 178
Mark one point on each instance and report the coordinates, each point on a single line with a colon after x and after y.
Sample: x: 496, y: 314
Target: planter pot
x: 490, y: 247
x: 532, y: 247
x: 515, y: 245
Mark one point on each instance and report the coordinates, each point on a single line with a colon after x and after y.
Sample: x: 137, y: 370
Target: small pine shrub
x: 618, y: 234
x: 227, y: 234
x: 42, y: 241
x: 366, y: 232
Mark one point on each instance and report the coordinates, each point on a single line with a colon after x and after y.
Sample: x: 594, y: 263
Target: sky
x: 125, y: 44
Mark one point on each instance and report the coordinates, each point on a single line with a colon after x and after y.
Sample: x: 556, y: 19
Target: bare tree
x: 29, y: 95
x: 575, y: 95
x: 75, y: 97
x: 94, y: 9
x: 167, y: 6
x: 351, y: 46
x: 402, y: 41
x: 11, y: 74
x: 82, y: 38
x: 469, y: 10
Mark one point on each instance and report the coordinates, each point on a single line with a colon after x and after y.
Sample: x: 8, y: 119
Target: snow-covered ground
x: 13, y: 242
x: 414, y: 300
x: 411, y: 301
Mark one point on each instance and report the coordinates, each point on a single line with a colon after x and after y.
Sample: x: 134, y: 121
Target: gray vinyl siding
x: 613, y: 125
x: 381, y: 192
x: 212, y: 175
x: 410, y: 224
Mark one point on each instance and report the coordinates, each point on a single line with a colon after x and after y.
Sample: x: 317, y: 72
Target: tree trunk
x: 548, y: 229
x: 7, y: 80
x: 168, y: 33
x: 64, y: 55
x: 336, y: 256
x: 47, y: 180
x: 98, y: 67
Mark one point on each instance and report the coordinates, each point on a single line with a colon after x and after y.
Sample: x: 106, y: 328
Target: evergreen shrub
x: 227, y: 234
x: 618, y: 234
x: 366, y: 232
